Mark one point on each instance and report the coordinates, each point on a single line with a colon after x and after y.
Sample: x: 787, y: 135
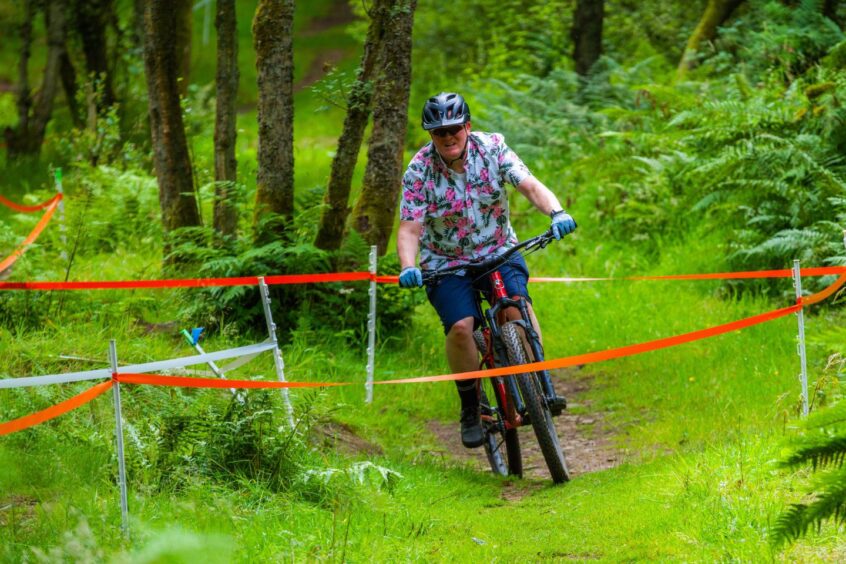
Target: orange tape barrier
x: 366, y: 276
x: 752, y: 274
x: 21, y: 208
x: 629, y: 350
x: 823, y: 294
x: 54, y: 411
x: 30, y: 239
x: 189, y: 282
x: 588, y: 358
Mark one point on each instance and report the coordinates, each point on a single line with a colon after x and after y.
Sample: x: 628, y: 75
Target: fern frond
x: 830, y: 451
x: 829, y: 504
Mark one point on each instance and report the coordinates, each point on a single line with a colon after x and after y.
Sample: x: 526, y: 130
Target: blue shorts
x: 454, y: 297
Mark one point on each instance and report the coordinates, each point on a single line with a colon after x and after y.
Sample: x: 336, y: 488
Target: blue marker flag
x: 195, y: 334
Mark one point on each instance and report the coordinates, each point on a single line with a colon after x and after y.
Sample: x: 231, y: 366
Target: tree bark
x: 34, y: 113
x: 716, y: 13
x: 829, y: 10
x: 373, y: 216
x: 69, y: 85
x: 331, y: 230
x: 586, y: 34
x: 273, y: 42
x: 183, y: 25
x: 170, y: 147
x: 225, y: 162
x: 92, y: 19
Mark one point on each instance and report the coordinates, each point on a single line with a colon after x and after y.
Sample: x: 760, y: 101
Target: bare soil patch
x: 340, y: 14
x: 343, y: 438
x: 585, y: 439
x: 17, y: 509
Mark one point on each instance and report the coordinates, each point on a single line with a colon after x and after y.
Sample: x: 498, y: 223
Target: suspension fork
x: 537, y: 349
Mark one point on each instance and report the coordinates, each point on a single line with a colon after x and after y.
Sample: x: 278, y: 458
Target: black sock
x: 468, y: 393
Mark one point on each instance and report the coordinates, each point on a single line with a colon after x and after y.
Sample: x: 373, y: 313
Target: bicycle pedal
x: 557, y: 405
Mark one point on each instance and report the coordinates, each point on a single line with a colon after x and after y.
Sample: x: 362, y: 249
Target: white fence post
x: 803, y: 376
x: 371, y: 328
x: 277, y: 354
x: 62, y: 226
x: 124, y: 504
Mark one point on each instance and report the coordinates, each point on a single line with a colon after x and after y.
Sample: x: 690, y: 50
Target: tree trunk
x: 225, y: 163
x: 69, y: 85
x: 586, y: 34
x: 184, y: 19
x: 34, y: 113
x: 829, y: 10
x: 92, y: 19
x: 374, y: 212
x: 170, y: 148
x: 716, y: 14
x: 334, y: 217
x: 273, y: 42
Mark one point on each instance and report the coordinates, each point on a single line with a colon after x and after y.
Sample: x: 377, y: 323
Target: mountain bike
x: 522, y: 399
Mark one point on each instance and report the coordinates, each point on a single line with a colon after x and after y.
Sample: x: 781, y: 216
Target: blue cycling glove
x: 562, y: 224
x: 410, y: 277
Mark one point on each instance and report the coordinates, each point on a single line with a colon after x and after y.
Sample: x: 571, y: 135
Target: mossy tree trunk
x: 183, y: 14
x: 333, y: 220
x: 273, y: 42
x: 716, y: 13
x: 373, y: 216
x: 586, y: 34
x: 225, y: 162
x: 170, y: 147
x: 69, y: 84
x: 34, y: 112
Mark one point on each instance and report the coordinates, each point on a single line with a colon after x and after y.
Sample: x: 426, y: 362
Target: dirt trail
x: 585, y: 438
x: 340, y: 14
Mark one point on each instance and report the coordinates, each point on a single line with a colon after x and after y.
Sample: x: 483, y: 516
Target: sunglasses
x: 444, y: 131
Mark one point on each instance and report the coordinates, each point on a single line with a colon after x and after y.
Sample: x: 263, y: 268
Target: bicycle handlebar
x: 490, y: 263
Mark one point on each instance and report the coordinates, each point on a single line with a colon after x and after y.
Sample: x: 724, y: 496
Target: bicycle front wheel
x: 519, y: 352
x: 502, y: 447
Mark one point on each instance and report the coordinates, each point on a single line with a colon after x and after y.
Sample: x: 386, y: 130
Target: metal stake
x: 277, y: 354
x: 124, y: 505
x: 212, y: 364
x: 371, y: 328
x: 62, y: 226
x: 803, y: 376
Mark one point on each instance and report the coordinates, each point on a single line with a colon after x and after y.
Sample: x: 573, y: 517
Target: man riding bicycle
x: 454, y: 210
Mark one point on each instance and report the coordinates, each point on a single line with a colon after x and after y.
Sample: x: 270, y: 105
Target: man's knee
x: 462, y: 329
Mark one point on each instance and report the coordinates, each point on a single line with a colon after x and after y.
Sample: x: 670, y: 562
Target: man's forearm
x: 539, y: 195
x: 408, y: 243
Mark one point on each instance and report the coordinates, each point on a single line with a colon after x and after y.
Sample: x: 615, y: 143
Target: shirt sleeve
x: 413, y: 202
x: 511, y: 168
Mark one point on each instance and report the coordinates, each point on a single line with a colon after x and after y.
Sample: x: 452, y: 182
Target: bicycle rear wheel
x: 519, y: 352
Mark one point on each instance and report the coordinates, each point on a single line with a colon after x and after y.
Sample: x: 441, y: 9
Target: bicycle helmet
x: 445, y: 109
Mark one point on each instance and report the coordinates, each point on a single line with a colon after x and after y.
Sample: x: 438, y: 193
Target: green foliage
x: 775, y: 40
x: 823, y: 447
x: 338, y: 308
x: 242, y: 438
x: 493, y: 42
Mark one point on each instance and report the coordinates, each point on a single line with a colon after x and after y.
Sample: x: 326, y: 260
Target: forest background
x: 684, y: 137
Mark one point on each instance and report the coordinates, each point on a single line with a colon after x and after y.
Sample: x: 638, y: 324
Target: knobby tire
x: 519, y: 352
x: 496, y: 441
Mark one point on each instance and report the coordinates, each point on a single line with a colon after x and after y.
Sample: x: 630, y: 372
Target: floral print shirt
x: 462, y: 223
